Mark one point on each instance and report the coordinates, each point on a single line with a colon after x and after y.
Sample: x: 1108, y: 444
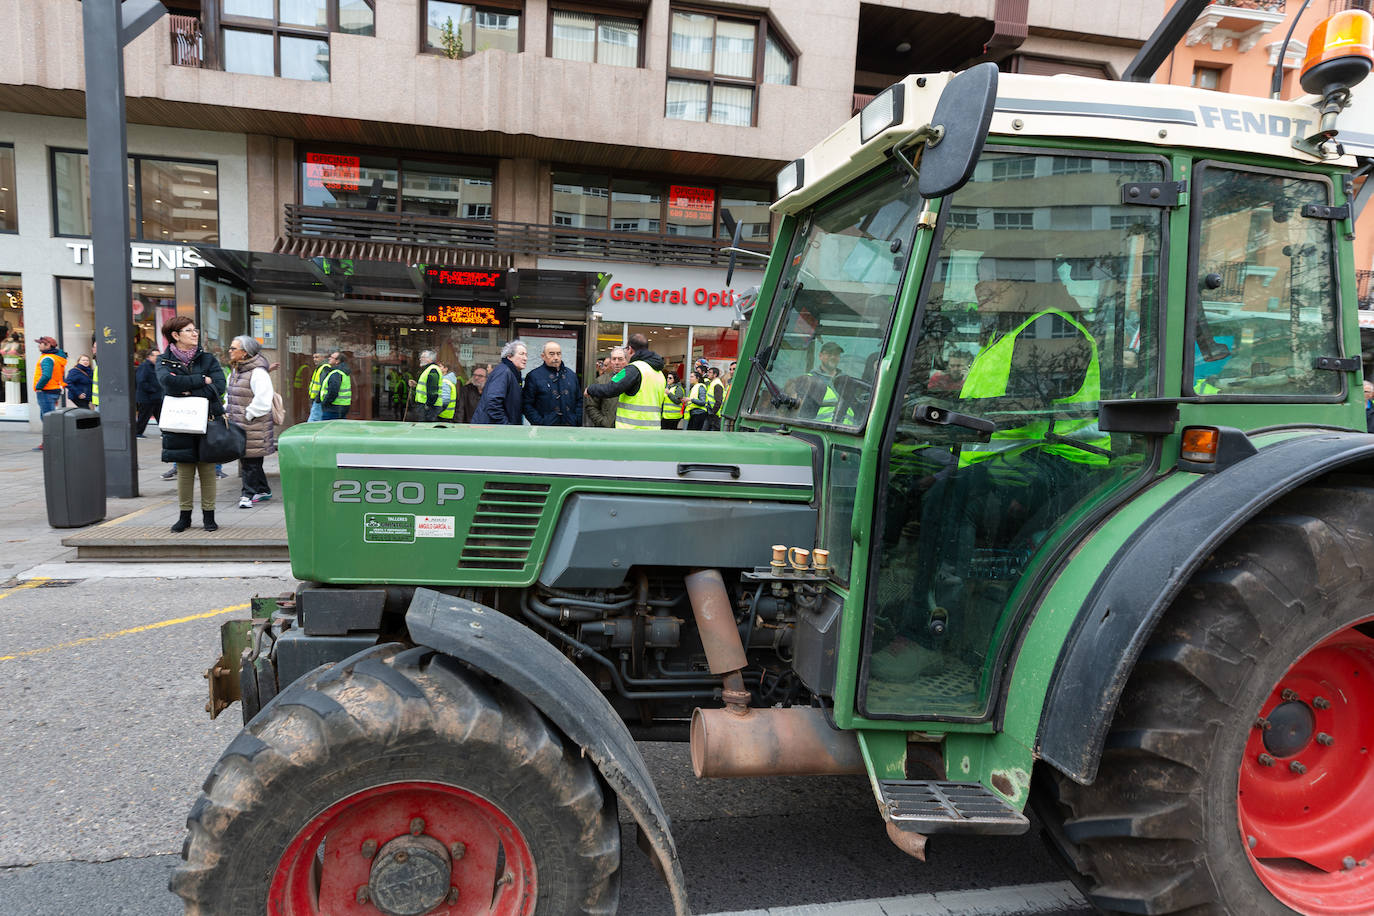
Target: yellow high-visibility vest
x: 644, y: 408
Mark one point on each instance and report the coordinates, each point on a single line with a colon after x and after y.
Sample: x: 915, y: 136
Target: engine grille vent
x: 504, y: 526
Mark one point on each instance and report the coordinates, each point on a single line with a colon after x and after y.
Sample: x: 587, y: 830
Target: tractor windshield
x: 1043, y: 303
x: 837, y: 296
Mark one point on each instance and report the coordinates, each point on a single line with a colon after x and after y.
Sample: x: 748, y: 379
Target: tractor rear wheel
x: 399, y: 782
x: 1238, y: 775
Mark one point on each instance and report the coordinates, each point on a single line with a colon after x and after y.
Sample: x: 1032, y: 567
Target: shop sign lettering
x: 145, y: 256
x: 684, y: 295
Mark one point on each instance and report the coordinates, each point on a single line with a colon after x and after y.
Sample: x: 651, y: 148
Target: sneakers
x: 220, y: 474
x: 260, y: 497
x: 169, y: 473
x: 245, y: 502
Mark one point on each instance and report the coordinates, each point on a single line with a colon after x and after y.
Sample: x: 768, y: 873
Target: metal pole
x: 109, y: 156
x: 105, y: 35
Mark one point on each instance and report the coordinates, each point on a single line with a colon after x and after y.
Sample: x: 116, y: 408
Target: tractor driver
x: 984, y: 507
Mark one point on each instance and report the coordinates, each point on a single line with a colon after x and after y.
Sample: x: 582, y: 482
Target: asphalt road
x: 104, y: 744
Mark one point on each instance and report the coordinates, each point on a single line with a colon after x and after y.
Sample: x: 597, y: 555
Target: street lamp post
x: 109, y: 25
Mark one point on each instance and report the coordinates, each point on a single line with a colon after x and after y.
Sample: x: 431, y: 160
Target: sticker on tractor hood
x: 393, y: 528
x: 723, y: 472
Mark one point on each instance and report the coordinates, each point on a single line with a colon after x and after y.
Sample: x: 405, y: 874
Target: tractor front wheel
x: 398, y: 782
x: 1238, y: 775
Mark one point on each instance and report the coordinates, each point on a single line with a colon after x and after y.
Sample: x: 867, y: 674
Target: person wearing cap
x: 820, y: 397
x: 48, y: 375
x: 696, y: 400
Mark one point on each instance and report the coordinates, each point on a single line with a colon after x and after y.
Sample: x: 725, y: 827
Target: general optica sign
x: 684, y: 295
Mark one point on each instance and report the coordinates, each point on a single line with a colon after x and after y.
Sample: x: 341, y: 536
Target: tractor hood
x: 477, y: 505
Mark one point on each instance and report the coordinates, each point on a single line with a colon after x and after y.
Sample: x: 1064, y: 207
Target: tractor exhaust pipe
x: 719, y: 635
x: 797, y: 741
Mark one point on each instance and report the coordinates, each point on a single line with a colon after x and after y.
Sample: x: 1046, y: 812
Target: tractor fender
x: 507, y: 650
x: 1146, y: 575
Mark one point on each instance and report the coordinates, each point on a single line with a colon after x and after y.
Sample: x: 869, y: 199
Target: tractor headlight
x: 887, y: 108
x: 790, y: 178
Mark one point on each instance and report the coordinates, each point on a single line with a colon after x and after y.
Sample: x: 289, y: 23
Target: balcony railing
x: 188, y: 45
x: 1268, y: 6
x: 405, y: 236
x: 1337, y: 6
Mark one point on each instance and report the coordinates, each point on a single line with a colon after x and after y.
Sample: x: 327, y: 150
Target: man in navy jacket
x: 501, y: 397
x: 553, y: 396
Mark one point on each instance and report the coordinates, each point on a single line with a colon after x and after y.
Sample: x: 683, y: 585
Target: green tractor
x: 1045, y: 481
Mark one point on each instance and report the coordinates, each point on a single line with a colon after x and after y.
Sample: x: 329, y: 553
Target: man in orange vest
x: 48, y: 373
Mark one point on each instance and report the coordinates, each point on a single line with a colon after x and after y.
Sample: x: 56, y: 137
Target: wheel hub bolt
x: 1263, y: 723
x: 1265, y: 760
x: 369, y: 848
x: 1348, y: 862
x: 452, y: 895
x: 363, y: 894
x: 1289, y: 694
x: 401, y: 856
x: 417, y: 826
x: 457, y: 850
x: 1321, y: 702
x: 1251, y: 842
x: 1324, y: 739
x: 1297, y: 767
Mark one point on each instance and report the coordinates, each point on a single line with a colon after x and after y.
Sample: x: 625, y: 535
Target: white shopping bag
x: 183, y: 415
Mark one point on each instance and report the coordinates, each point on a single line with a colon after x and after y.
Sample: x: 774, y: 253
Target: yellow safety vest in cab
x: 989, y: 376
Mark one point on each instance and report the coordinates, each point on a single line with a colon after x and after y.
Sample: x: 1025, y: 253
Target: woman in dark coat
x: 502, y: 396
x: 147, y: 389
x: 187, y: 371
x: 80, y: 383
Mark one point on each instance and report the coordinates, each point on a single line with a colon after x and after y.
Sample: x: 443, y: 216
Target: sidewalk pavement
x: 28, y: 540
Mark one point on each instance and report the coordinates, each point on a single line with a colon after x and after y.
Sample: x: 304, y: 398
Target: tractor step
x: 928, y: 806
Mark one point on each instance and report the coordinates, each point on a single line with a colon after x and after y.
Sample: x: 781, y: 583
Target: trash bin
x: 73, y: 467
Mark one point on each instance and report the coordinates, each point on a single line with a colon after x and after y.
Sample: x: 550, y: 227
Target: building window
x: 682, y: 208
x: 1013, y: 219
x: 365, y: 182
x: 170, y: 200
x: 287, y: 38
x: 1013, y: 168
x: 1207, y: 77
x: 9, y: 200
x: 716, y: 63
x: 595, y: 38
x: 1070, y: 165
x: 474, y: 27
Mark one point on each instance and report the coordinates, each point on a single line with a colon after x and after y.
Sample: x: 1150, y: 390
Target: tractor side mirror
x: 961, y: 118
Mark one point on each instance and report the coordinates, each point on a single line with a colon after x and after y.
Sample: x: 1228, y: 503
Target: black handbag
x: 224, y: 441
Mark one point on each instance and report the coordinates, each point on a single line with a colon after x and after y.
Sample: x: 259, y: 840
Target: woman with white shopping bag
x: 189, y: 375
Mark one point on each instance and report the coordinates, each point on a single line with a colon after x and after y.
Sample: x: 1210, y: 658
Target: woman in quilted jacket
x: 250, y: 406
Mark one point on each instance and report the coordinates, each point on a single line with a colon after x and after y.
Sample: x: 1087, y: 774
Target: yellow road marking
x: 32, y: 583
x: 143, y: 629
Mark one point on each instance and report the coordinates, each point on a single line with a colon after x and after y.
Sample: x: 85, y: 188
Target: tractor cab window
x: 1264, y: 304
x: 1042, y: 304
x: 834, y: 305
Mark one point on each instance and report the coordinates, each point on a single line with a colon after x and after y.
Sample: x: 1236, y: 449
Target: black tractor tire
x: 1158, y: 830
x: 394, y: 717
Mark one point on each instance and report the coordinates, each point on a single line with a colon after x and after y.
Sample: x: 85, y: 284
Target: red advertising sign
x: 337, y: 173
x: 691, y: 205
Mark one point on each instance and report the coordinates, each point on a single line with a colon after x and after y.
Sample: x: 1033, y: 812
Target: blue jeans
x: 316, y: 412
x: 47, y: 402
x: 334, y: 413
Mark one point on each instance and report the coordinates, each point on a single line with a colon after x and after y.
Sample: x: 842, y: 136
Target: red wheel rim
x: 1306, y: 790
x: 331, y: 859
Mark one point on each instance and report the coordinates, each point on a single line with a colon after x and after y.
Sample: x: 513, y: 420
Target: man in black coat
x: 501, y: 398
x: 553, y: 396
x: 147, y: 389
